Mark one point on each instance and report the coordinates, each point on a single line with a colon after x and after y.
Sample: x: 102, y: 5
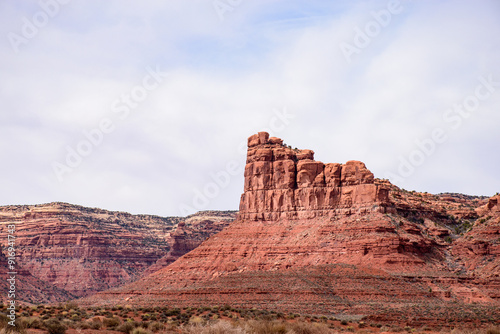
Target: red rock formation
x: 190, y: 234
x: 81, y: 251
x: 285, y: 183
x: 323, y: 238
x: 479, y: 248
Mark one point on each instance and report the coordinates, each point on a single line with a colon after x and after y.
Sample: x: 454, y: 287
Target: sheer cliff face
x: 285, y: 183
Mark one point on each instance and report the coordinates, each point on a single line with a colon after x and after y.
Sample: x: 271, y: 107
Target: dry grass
x: 257, y: 327
x: 6, y: 328
x: 220, y: 327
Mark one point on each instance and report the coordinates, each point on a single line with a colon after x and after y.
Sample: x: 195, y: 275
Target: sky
x: 146, y: 106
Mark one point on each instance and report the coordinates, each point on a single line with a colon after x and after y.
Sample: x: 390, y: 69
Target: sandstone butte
x: 67, y: 251
x: 332, y: 239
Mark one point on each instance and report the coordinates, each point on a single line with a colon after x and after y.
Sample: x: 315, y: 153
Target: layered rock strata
x: 290, y: 184
x: 190, y: 233
x: 479, y: 248
x: 82, y: 250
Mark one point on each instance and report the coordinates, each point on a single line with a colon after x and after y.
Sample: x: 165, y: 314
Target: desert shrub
x: 266, y: 327
x: 156, y: 326
x: 195, y: 320
x: 54, y: 326
x: 68, y: 323
x: 140, y: 330
x: 308, y: 328
x: 71, y: 306
x: 95, y: 324
x: 126, y: 327
x: 219, y: 327
x: 83, y: 325
x: 344, y: 322
x: 144, y: 324
x: 107, y: 314
x: 111, y: 322
x: 172, y: 312
x: 6, y: 328
x: 396, y: 329
x: 32, y: 322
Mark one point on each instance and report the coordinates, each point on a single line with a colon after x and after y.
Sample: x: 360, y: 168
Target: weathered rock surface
x: 82, y: 250
x: 479, y: 248
x: 327, y: 238
x: 289, y: 184
x: 190, y: 233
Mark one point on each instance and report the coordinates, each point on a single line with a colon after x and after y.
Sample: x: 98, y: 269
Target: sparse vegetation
x: 55, y: 326
x: 219, y: 319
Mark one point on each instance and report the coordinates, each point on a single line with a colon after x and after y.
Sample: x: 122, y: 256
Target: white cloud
x: 226, y: 79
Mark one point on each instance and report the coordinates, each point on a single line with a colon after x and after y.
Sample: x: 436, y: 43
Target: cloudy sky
x: 145, y: 106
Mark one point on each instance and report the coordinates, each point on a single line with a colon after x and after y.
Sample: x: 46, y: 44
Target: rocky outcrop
x: 479, y: 248
x: 190, y: 233
x: 290, y: 184
x: 324, y: 238
x: 491, y: 209
x: 82, y: 250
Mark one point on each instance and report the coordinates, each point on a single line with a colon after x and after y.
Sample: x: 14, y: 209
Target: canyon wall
x: 79, y: 251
